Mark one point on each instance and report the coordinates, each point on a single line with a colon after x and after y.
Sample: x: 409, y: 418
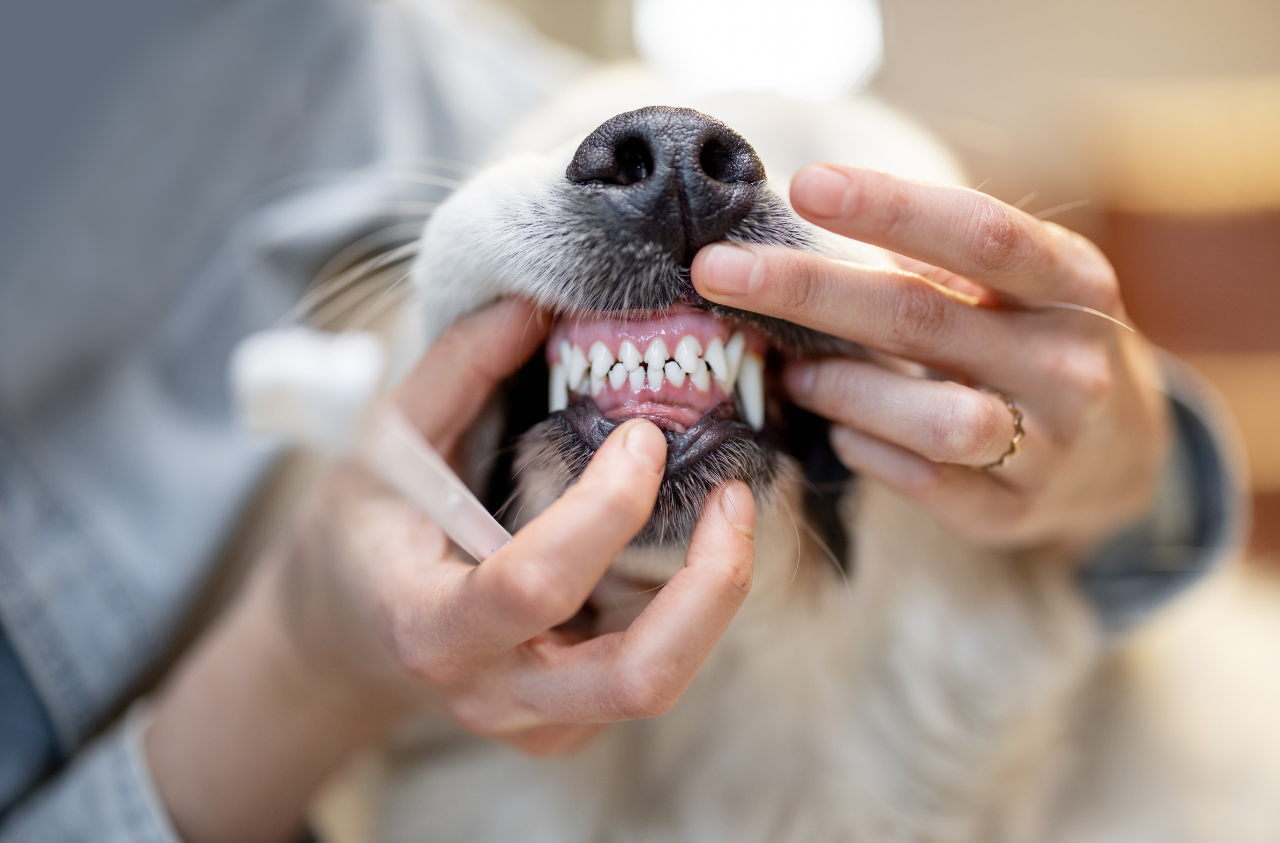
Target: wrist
x: 247, y: 729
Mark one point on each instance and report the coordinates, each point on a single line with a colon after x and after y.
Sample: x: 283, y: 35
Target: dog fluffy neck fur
x: 925, y: 699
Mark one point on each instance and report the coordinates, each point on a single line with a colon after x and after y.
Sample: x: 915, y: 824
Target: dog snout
x: 671, y: 176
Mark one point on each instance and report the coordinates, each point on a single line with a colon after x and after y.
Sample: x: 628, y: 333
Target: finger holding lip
x: 958, y: 229
x: 1043, y: 359
x: 643, y: 671
x: 897, y: 312
x: 544, y: 575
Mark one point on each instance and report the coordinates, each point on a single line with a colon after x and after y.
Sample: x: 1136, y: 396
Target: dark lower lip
x: 684, y: 449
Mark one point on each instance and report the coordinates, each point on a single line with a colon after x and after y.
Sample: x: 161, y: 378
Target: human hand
x: 973, y: 271
x: 366, y: 613
x: 376, y: 597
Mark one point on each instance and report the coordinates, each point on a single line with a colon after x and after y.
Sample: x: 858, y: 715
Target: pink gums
x: 672, y: 407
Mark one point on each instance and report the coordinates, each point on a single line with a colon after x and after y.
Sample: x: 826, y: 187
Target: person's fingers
x: 545, y: 574
x: 1038, y: 358
x: 962, y: 230
x: 980, y: 506
x: 643, y: 671
x: 941, y: 421
x: 897, y: 312
x: 456, y: 376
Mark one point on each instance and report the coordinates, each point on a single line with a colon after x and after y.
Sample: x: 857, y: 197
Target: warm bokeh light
x: 761, y: 45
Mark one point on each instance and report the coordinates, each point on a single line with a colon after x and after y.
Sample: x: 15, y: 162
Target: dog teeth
x: 601, y: 359
x: 576, y: 369
x: 559, y: 394
x: 719, y: 364
x: 701, y: 376
x: 617, y: 375
x: 733, y: 355
x: 655, y: 378
x: 655, y: 357
x: 751, y: 389
x: 630, y: 356
x: 728, y: 363
x: 688, y: 350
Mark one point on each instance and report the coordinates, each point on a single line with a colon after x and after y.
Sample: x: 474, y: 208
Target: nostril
x: 635, y: 161
x: 621, y: 160
x: 728, y: 162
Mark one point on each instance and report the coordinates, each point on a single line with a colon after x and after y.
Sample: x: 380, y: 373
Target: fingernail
x: 647, y: 444
x: 799, y: 378
x: 728, y: 270
x: 820, y: 191
x: 739, y: 509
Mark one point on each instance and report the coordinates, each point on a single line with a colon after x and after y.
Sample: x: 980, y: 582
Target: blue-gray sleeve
x: 1196, y: 520
x: 106, y: 795
x: 27, y: 739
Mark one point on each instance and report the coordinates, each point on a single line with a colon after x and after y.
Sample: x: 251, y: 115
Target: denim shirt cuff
x: 107, y: 795
x: 1198, y: 519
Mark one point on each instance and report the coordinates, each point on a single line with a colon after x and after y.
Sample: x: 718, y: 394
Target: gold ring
x: 1018, y: 432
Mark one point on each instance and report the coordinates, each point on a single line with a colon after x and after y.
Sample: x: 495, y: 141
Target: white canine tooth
x: 637, y: 380
x: 559, y: 393
x: 566, y: 351
x: 629, y: 355
x: 674, y: 373
x: 601, y: 359
x: 701, y: 376
x: 576, y: 367
x: 655, y: 378
x: 617, y: 375
x: 714, y: 355
x: 655, y: 356
x: 751, y: 389
x: 688, y: 350
x: 733, y: 355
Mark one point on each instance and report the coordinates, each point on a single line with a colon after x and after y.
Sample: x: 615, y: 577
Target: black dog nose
x: 672, y: 176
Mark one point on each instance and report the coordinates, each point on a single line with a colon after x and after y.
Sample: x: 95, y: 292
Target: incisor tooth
x: 701, y: 376
x: 655, y: 356
x: 576, y: 367
x: 751, y: 389
x: 714, y: 355
x: 597, y: 385
x: 688, y: 350
x: 601, y: 359
x: 637, y: 380
x: 629, y: 355
x: 617, y: 375
x: 733, y: 355
x: 655, y: 378
x: 558, y: 398
x: 674, y: 373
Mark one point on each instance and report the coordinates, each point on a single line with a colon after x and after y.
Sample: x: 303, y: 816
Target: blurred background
x: 1152, y: 126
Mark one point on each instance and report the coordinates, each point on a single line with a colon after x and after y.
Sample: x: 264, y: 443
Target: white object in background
x: 311, y: 386
x: 317, y: 389
x: 804, y: 49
